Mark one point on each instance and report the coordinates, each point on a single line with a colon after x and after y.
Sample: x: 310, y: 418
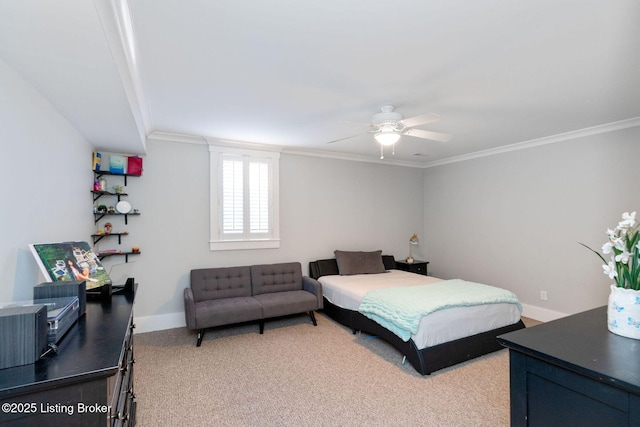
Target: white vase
x: 623, y: 313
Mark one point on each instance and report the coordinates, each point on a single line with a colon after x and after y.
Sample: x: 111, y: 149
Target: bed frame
x: 428, y: 359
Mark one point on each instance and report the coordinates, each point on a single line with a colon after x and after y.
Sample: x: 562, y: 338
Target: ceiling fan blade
x: 347, y: 137
x: 422, y: 119
x: 427, y: 134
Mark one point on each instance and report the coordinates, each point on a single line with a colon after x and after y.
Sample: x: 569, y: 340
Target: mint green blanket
x: 401, y: 309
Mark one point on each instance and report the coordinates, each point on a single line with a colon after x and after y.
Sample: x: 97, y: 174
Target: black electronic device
x: 62, y: 313
x: 24, y: 334
x: 63, y: 289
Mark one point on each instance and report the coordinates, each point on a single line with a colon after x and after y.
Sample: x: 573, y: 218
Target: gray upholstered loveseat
x: 223, y: 296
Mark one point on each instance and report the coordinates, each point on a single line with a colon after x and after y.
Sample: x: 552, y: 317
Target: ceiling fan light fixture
x: 387, y: 137
x: 388, y: 126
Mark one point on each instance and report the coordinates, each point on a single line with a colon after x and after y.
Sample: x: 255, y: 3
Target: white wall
x: 46, y: 176
x: 514, y: 219
x: 325, y: 205
x: 46, y: 181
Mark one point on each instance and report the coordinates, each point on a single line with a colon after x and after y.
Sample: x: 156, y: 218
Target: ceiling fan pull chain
x: 393, y: 150
x: 382, y: 152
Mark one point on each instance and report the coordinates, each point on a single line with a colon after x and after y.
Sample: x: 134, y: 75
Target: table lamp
x: 413, y: 240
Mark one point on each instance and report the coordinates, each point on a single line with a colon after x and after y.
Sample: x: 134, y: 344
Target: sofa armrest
x: 313, y: 286
x: 189, y: 309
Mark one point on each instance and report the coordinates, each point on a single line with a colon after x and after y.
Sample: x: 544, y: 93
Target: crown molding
x: 204, y: 140
x: 176, y: 137
x: 242, y: 144
x: 209, y: 141
x: 350, y: 157
x: 567, y: 136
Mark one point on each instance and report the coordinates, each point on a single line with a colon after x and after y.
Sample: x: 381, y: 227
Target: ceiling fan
x: 388, y: 126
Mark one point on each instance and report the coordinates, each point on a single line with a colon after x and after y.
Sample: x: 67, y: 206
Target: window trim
x: 216, y: 241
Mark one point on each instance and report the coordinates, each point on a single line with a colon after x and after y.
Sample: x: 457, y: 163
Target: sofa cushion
x: 268, y: 278
x: 287, y: 302
x: 216, y: 283
x: 226, y: 311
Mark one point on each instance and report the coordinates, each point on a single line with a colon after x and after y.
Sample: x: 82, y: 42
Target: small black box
x: 102, y: 293
x: 76, y: 288
x: 24, y: 334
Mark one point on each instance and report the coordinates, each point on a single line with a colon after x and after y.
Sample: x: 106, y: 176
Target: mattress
x: 439, y: 327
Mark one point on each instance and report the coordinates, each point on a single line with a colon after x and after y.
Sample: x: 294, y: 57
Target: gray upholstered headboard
x: 328, y: 267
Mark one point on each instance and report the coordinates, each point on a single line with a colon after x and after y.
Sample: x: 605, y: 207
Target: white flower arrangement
x: 624, y: 248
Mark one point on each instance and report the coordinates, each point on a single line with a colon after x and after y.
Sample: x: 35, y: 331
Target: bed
x: 444, y: 338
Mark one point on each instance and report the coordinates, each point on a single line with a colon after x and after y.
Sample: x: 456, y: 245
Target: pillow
x: 359, y: 262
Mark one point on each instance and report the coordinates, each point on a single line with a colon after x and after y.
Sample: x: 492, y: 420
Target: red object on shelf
x: 134, y: 166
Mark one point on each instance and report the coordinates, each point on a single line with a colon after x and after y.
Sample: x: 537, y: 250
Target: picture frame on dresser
x: 73, y: 261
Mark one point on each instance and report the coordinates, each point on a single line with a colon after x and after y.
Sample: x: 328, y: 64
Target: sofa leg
x: 313, y: 318
x: 261, y: 327
x: 200, y: 336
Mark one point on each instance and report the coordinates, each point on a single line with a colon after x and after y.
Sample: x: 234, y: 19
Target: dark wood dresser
x: 88, y: 382
x: 573, y: 371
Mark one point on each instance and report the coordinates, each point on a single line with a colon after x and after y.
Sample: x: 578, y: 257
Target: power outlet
x: 543, y: 295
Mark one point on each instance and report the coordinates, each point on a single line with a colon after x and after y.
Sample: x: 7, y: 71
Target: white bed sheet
x: 438, y: 327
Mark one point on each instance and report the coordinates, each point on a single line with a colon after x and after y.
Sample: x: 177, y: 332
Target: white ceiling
x: 302, y: 73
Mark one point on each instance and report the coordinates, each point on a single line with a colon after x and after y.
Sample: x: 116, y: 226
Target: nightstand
x: 418, y: 267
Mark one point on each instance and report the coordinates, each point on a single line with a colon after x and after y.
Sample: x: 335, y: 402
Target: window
x: 244, y: 199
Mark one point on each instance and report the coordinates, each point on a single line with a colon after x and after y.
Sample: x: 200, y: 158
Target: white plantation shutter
x: 258, y: 197
x: 232, y: 197
x: 244, y: 199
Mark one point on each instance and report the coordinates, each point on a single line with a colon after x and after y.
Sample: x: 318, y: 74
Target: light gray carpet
x: 299, y: 375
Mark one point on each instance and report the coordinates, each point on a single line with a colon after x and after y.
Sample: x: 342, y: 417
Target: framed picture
x: 69, y: 261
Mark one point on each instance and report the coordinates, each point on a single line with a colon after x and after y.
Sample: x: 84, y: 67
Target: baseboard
x: 541, y: 314
x: 159, y: 322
